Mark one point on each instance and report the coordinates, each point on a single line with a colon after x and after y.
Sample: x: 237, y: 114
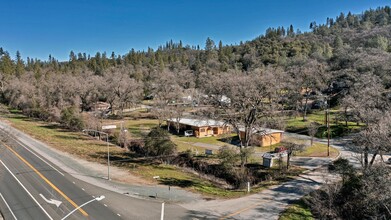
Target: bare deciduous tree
x: 312, y: 130
x: 292, y: 148
x: 243, y: 101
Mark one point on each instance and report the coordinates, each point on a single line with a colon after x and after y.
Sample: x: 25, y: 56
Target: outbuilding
x: 264, y: 136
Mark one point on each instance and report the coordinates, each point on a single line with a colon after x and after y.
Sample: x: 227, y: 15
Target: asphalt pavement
x: 32, y: 187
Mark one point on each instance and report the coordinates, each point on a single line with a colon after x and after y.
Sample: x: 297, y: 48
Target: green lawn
x: 337, y: 128
x: 187, y: 143
x: 318, y: 150
x: 297, y: 211
x: 136, y: 127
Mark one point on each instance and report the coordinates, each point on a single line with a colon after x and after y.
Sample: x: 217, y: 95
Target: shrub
x: 71, y: 119
x: 158, y: 143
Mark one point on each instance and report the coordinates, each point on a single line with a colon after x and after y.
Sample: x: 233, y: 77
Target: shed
x: 265, y: 136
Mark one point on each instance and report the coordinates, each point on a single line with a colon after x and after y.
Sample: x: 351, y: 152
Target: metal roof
x: 263, y: 130
x: 199, y: 122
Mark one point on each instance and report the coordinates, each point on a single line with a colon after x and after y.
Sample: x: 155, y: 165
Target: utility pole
x: 327, y: 121
x: 328, y: 132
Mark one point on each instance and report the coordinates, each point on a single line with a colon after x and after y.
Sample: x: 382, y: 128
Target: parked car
x: 189, y: 133
x: 318, y: 104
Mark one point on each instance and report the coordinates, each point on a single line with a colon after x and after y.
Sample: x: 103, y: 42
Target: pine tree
x: 19, y: 69
x: 209, y: 44
x: 6, y: 64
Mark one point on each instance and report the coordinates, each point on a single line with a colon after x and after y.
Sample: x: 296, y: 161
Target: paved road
x: 24, y: 175
x: 28, y: 183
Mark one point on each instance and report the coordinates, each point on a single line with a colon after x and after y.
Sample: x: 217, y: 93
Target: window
x: 202, y: 130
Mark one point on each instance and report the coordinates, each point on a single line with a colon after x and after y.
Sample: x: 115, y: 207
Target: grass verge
x: 297, y: 211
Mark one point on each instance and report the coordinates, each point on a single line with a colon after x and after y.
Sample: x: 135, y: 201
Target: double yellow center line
x: 46, y: 180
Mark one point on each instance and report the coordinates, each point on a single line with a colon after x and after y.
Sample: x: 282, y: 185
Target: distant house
x: 203, y: 127
x: 264, y: 136
x: 100, y: 106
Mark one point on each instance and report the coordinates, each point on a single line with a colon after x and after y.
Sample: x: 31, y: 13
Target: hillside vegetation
x: 343, y: 65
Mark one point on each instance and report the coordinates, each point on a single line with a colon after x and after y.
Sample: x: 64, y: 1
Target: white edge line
x: 26, y: 190
x: 23, y: 145
x: 8, y: 207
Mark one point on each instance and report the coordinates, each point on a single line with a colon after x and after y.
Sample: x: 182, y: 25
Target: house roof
x: 263, y: 130
x: 199, y: 122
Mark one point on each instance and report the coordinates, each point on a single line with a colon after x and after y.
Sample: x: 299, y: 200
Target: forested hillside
x: 346, y: 59
x: 344, y: 64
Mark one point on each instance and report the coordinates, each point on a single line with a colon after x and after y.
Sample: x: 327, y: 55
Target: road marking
x: 12, y: 213
x: 51, y: 201
x: 119, y: 215
x: 26, y: 190
x: 47, y: 181
x: 82, y: 189
x: 105, y: 205
x: 38, y: 156
x: 240, y: 211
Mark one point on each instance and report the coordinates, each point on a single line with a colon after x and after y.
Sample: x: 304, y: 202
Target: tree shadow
x: 56, y: 127
x: 192, y: 214
x: 234, y: 140
x: 68, y: 137
x: 177, y: 182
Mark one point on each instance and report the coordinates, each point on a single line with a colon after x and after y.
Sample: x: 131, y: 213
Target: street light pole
x: 108, y: 157
x: 97, y: 199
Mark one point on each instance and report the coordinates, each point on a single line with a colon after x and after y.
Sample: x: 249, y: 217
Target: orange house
x: 202, y: 128
x: 265, y: 136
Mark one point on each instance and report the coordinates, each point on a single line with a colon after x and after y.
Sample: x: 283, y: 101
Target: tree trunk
x: 346, y: 116
x: 242, y: 158
x: 288, y: 160
x: 373, y: 159
x: 366, y: 157
x: 305, y: 108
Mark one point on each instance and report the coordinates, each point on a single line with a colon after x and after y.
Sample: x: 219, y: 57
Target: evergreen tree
x: 209, y: 44
x: 6, y: 64
x: 19, y: 69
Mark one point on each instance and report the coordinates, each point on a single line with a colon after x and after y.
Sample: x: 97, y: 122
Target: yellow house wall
x: 208, y: 131
x: 271, y: 139
x: 267, y: 140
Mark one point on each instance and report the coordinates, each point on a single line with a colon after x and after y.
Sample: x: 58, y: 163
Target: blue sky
x: 42, y: 27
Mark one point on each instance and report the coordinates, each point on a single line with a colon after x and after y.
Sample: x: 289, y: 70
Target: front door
x: 215, y: 131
